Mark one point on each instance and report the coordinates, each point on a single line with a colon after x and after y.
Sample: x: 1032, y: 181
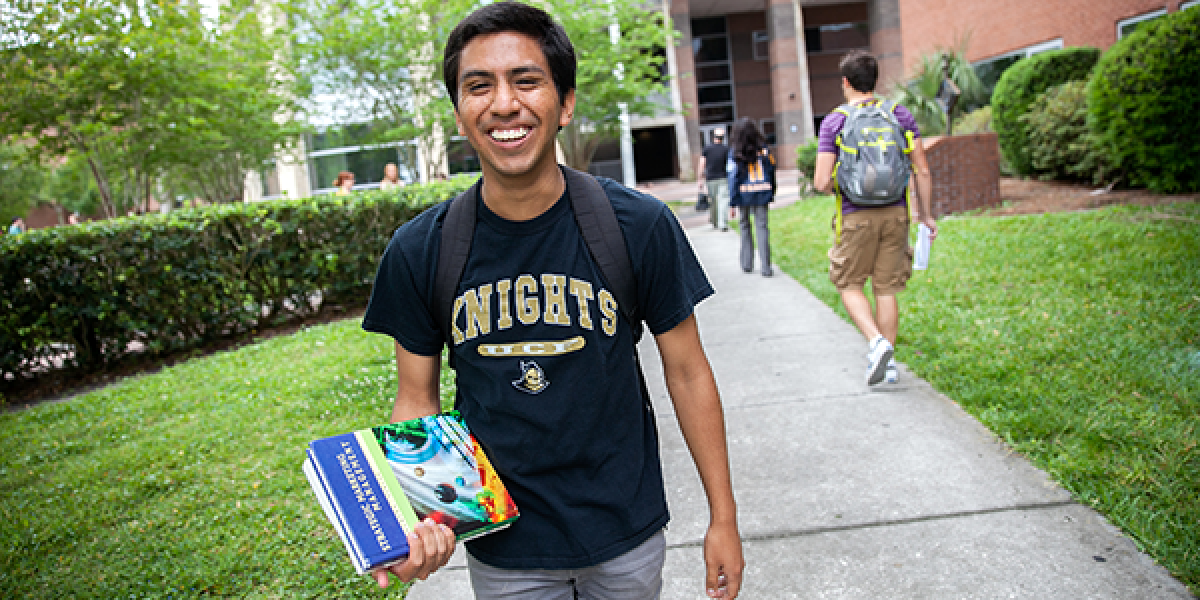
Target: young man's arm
x: 823, y: 172
x: 700, y: 166
x: 697, y: 403
x: 431, y: 544
x: 923, y: 184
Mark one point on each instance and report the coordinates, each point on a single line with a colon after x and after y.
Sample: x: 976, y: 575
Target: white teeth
x: 508, y: 135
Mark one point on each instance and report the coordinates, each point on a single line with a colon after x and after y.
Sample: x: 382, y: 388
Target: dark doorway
x: 654, y: 153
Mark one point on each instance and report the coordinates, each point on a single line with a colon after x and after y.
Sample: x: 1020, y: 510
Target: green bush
x: 976, y: 121
x: 82, y: 297
x: 1060, y: 144
x: 806, y: 157
x: 1021, y: 84
x: 1144, y: 103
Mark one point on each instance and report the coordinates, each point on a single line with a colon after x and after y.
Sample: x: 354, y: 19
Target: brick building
x: 776, y: 60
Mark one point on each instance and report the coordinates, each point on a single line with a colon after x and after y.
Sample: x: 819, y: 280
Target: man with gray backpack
x: 867, y: 151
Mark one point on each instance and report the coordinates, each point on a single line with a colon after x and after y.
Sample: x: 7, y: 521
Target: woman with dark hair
x: 751, y: 171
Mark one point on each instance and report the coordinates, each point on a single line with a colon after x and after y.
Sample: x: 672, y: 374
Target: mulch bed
x: 1030, y: 196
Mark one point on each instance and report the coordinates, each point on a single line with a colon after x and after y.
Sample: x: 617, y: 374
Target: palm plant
x: 919, y: 93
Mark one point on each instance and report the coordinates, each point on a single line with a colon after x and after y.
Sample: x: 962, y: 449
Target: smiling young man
x: 545, y: 360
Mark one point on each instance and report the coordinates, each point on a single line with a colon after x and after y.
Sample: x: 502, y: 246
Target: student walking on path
x: 872, y: 236
x: 543, y: 337
x: 710, y: 168
x: 751, y: 171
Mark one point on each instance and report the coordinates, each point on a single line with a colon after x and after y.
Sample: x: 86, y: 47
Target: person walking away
x: 391, y: 177
x: 711, y: 167
x: 877, y: 177
x: 543, y: 342
x: 751, y: 172
x: 17, y: 226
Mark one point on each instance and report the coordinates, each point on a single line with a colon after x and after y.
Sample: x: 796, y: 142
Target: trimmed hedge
x: 78, y: 298
x: 1021, y: 84
x: 1144, y: 103
x: 1060, y: 144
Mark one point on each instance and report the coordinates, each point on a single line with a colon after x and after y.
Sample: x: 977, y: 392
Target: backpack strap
x: 458, y: 229
x: 598, y: 224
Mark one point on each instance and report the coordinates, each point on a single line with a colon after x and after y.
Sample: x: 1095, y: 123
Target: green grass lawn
x: 1075, y: 337
x: 187, y: 482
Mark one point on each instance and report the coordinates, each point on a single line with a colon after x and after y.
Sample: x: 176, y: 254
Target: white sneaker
x: 893, y: 374
x: 877, y: 359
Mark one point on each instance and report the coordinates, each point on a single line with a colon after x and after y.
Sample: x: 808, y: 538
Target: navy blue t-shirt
x: 546, y: 370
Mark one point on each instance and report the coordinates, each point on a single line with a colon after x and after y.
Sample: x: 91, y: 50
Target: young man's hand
x: 429, y: 548
x: 724, y: 562
x: 928, y: 221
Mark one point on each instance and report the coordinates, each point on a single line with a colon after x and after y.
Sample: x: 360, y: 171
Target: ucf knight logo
x: 532, y: 380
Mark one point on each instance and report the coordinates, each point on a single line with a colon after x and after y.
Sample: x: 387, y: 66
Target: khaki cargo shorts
x: 874, y: 245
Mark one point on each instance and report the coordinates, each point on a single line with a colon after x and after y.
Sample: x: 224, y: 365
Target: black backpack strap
x: 605, y: 240
x: 458, y: 229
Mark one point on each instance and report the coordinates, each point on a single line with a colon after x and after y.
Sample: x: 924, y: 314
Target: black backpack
x: 598, y: 225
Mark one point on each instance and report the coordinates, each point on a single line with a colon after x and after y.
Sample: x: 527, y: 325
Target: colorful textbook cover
x: 376, y: 484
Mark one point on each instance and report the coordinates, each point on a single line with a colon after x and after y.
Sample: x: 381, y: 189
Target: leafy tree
x: 22, y: 180
x: 383, y: 60
x: 379, y: 61
x: 600, y: 91
x: 135, y: 88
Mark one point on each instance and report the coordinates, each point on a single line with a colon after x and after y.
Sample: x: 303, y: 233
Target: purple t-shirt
x: 832, y: 124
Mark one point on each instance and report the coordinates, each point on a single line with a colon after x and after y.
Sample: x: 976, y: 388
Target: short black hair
x: 520, y: 18
x: 861, y: 70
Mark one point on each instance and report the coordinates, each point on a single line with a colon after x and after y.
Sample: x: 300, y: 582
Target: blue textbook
x: 376, y: 484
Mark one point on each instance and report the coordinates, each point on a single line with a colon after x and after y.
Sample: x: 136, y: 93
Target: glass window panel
x: 712, y: 73
x: 762, y: 45
x: 845, y: 36
x: 768, y: 130
x: 715, y: 94
x: 715, y: 114
x: 708, y: 26
x: 711, y: 49
x: 989, y: 71
x: 325, y: 169
x: 367, y: 165
x: 461, y: 157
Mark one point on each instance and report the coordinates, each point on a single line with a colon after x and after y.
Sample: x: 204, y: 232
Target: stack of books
x: 376, y: 484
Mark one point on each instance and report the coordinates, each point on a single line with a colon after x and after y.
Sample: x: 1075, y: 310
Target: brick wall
x: 996, y: 27
x: 966, y: 172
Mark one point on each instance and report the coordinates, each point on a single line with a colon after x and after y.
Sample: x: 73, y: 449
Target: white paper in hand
x: 921, y: 252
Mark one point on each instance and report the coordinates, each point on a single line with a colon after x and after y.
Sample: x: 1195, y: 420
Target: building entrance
x: 654, y: 155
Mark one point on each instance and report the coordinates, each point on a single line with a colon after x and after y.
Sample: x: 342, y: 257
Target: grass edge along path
x: 187, y: 482
x: 1074, y: 337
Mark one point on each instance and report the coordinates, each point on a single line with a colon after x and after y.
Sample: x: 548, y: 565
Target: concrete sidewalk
x: 846, y: 491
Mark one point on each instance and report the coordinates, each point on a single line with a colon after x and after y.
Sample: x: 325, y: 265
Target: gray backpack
x: 873, y: 164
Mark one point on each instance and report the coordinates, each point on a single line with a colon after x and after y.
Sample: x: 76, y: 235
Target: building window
x: 767, y: 127
x: 990, y: 70
x: 1128, y: 26
x: 338, y: 149
x: 762, y: 45
x: 461, y: 156
x: 714, y: 73
x: 837, y: 37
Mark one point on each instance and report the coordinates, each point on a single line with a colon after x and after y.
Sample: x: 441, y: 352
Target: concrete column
x: 683, y: 149
x: 883, y: 19
x: 789, y: 80
x: 685, y: 62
